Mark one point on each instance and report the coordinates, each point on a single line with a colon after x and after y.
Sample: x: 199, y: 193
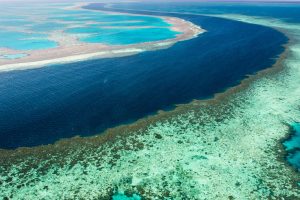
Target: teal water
x: 28, y: 27
x: 158, y: 29
x: 13, y: 22
x: 45, y: 27
x: 102, y: 17
x: 13, y: 56
x: 123, y: 36
x: 25, y: 41
x: 120, y: 196
x: 10, y: 17
x: 292, y: 146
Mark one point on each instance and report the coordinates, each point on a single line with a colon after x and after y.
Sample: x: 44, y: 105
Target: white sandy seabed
x: 228, y: 150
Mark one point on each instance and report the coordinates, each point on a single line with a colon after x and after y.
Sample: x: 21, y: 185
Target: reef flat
x: 225, y: 148
x: 68, y: 33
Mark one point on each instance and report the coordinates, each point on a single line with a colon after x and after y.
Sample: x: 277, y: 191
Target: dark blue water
x: 40, y: 106
x: 288, y: 12
x: 292, y: 146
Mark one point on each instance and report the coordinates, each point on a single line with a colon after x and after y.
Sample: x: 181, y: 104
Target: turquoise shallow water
x: 124, y: 197
x: 45, y: 27
x: 129, y: 36
x: 156, y: 29
x: 292, y: 146
x: 103, y: 17
x: 25, y: 41
x: 13, y: 22
x: 13, y: 56
x: 28, y: 27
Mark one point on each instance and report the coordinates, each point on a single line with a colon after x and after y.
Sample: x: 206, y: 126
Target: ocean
x: 41, y: 106
x: 288, y: 13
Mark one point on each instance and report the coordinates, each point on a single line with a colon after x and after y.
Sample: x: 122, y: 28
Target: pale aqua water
x: 25, y: 41
x: 26, y: 27
x: 123, y: 35
x: 103, y: 17
x: 119, y: 196
x: 13, y: 56
x: 13, y: 22
x: 45, y: 27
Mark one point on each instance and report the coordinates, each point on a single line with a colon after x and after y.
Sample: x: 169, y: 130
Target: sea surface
x: 288, y: 13
x: 41, y: 106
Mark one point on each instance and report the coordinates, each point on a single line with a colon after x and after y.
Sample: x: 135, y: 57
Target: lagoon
x: 40, y: 27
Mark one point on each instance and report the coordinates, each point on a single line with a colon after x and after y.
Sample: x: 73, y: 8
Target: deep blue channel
x: 41, y: 106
